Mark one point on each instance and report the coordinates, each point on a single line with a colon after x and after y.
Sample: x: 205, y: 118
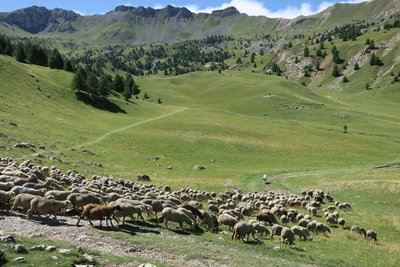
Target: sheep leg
x: 55, y: 217
x: 233, y: 234
x: 29, y: 214
x: 79, y: 219
x: 141, y: 216
x: 108, y: 217
x: 166, y: 223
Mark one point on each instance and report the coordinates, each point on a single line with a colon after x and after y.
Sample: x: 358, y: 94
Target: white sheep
x: 287, y: 236
x: 227, y: 219
x: 301, y: 232
x: 241, y: 229
x: 46, y: 206
x: 179, y: 217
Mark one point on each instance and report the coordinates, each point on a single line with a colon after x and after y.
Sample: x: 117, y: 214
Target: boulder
x: 143, y: 177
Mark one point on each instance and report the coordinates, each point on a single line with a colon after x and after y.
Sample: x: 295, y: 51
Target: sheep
x: 372, y: 235
x: 188, y: 213
x: 301, y: 232
x: 241, y: 229
x: 208, y: 219
x: 5, y: 197
x: 276, y: 230
x: 284, y: 220
x: 21, y: 189
x: 7, y: 186
x: 260, y: 229
x: 213, y: 208
x: 234, y: 213
x: 46, y: 206
x: 156, y: 204
x: 359, y: 230
x: 97, y: 211
x: 227, y: 219
x: 341, y: 222
x: 312, y: 226
x: 79, y: 200
x: 322, y: 228
x: 267, y: 217
x: 177, y: 216
x: 343, y: 206
x: 127, y: 209
x: 312, y: 210
x: 193, y: 209
x: 331, y: 219
x: 58, y: 194
x: 304, y: 222
x: 287, y: 236
x: 23, y: 201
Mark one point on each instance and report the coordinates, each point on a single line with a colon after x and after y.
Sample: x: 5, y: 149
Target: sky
x: 268, y: 8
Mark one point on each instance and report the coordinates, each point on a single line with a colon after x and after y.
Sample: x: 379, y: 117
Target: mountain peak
x: 230, y: 11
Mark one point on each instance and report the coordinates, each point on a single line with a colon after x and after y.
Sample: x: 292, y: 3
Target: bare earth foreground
x: 85, y: 236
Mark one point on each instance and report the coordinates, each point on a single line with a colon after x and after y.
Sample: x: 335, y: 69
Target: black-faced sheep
x: 341, y: 222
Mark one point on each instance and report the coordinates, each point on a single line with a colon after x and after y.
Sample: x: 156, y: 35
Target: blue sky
x: 269, y: 8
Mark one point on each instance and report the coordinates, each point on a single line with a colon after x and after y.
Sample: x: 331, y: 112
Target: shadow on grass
x: 99, y: 102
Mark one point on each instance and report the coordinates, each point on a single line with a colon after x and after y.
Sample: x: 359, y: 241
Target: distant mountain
x: 126, y: 24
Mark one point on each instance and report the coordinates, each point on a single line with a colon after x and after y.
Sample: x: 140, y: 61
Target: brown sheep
x: 98, y: 212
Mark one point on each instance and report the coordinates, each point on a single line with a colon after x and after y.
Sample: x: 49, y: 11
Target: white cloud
x: 257, y: 8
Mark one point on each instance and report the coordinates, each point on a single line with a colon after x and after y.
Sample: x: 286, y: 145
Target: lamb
x: 79, y: 200
x: 241, y: 229
x: 287, y: 236
x: 177, y: 216
x: 46, y: 206
x: 301, y: 232
x: 227, y: 219
x: 322, y: 228
x: 359, y: 230
x: 372, y: 235
x: 276, y: 230
x: 98, y: 212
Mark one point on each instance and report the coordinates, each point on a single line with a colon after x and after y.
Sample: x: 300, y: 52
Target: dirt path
x: 101, y: 138
x: 87, y: 236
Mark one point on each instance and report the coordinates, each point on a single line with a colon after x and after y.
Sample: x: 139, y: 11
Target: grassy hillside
x: 249, y: 123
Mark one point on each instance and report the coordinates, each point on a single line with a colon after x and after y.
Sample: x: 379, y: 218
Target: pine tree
x: 92, y: 84
x: 105, y: 84
x: 55, y: 60
x: 37, y: 55
x: 20, y: 53
x: 128, y: 88
x: 306, y: 52
x: 335, y: 71
x: 68, y: 66
x: 118, y: 84
x: 252, y: 57
x: 79, y: 80
x: 395, y: 79
x: 372, y: 60
x: 345, y: 80
x: 356, y: 66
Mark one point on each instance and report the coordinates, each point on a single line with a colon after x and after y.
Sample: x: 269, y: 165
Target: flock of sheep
x: 47, y: 191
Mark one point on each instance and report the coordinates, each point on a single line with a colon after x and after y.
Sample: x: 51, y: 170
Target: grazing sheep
x: 268, y: 217
x: 276, y: 230
x: 372, y: 235
x: 287, y: 236
x: 213, y: 208
x: 341, y: 222
x: 304, y: 222
x: 227, y: 219
x: 331, y: 219
x: 322, y: 228
x: 343, y: 206
x: 312, y: 226
x: 98, y: 212
x: 312, y: 210
x: 208, y: 219
x: 188, y: 213
x: 241, y: 229
x: 79, y: 200
x: 284, y: 220
x: 46, y: 206
x: 177, y: 216
x: 359, y: 230
x: 156, y: 204
x: 193, y: 209
x: 301, y: 232
x: 234, y: 213
x: 260, y: 228
x: 58, y: 194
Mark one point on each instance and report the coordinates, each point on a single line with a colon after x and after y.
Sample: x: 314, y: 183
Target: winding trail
x: 104, y: 136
